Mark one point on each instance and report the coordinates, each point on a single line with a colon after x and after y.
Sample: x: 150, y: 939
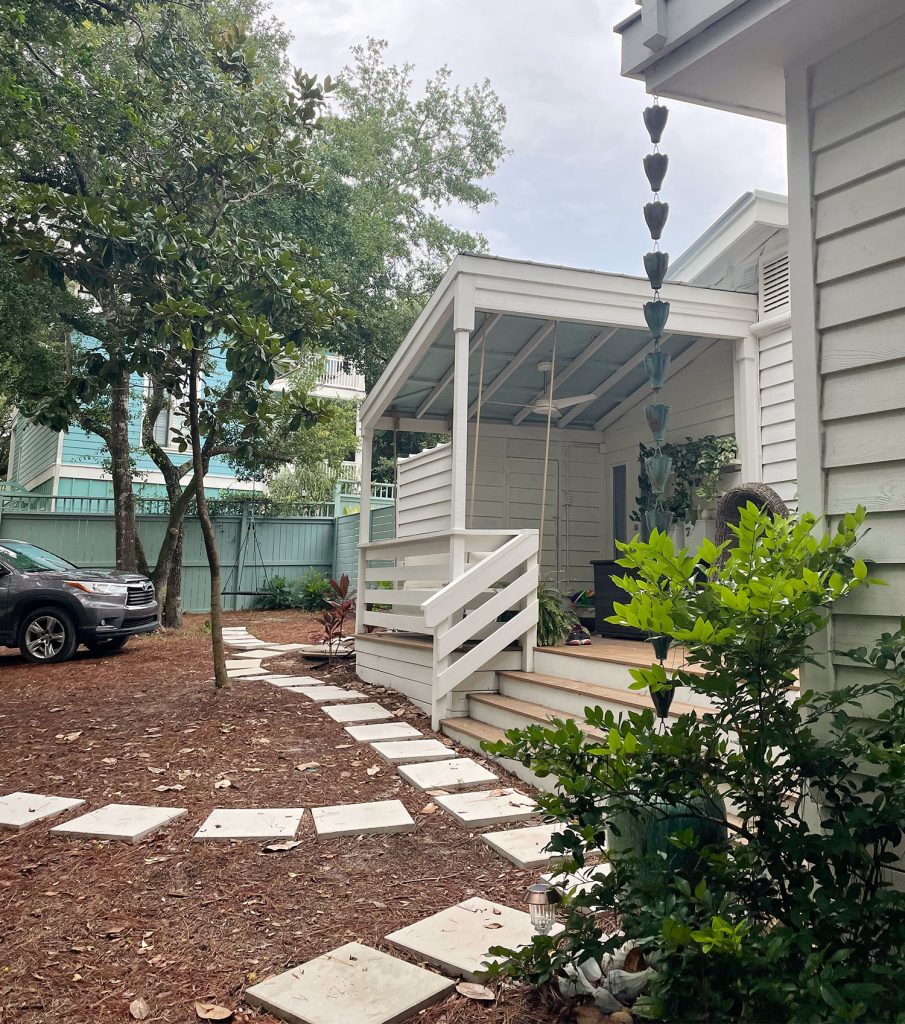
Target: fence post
x: 337, y: 499
x: 240, y: 555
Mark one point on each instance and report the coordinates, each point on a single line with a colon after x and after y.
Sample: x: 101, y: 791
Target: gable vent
x: 774, y: 286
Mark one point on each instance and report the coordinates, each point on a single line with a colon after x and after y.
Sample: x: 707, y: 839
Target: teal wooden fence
x: 252, y: 549
x: 345, y: 557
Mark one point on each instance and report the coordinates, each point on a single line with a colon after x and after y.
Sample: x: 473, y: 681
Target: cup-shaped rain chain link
x: 657, y: 416
x: 658, y: 467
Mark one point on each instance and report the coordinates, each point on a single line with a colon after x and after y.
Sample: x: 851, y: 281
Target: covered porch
x: 521, y: 493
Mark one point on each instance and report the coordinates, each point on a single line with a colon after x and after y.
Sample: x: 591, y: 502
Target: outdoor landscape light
x: 542, y: 899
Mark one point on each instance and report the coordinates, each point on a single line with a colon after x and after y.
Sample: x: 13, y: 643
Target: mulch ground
x: 88, y: 926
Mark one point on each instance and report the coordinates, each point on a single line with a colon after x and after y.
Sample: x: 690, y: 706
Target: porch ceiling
x: 587, y: 356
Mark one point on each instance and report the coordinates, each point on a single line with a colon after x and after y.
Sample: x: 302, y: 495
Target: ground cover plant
x: 751, y: 843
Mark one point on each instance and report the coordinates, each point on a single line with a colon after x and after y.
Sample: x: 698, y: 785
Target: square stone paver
x: 362, y: 819
x: 257, y: 654
x: 357, y: 712
x: 353, y: 984
x: 456, y: 773
x: 234, y: 663
x: 457, y: 939
x: 20, y: 809
x: 382, y: 731
x: 409, y: 751
x: 493, y: 807
x: 246, y: 670
x: 524, y: 847
x: 255, y: 823
x: 294, y: 680
x: 128, y: 822
x: 319, y: 693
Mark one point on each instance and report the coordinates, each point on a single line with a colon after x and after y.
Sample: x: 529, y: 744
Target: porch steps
x: 505, y: 712
x: 569, y: 697
x: 471, y: 733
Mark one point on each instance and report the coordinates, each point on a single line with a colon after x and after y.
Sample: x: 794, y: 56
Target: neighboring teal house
x: 73, y: 463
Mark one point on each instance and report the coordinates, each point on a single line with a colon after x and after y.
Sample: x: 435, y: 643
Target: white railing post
x: 364, y: 528
x: 529, y: 640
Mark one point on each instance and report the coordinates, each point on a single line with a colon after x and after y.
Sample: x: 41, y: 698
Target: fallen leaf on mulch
x: 156, y: 771
x: 492, y: 925
x: 159, y: 859
x: 139, y: 1009
x: 168, y: 789
x: 282, y: 847
x: 223, y: 784
x: 471, y: 990
x: 308, y: 766
x: 211, y: 1011
x: 429, y: 809
x: 373, y: 770
x: 108, y: 760
x: 68, y: 737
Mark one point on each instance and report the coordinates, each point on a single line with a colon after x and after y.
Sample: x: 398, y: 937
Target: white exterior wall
x: 851, y: 108
x: 424, y: 492
x: 777, y: 415
x: 509, y: 484
x: 701, y: 397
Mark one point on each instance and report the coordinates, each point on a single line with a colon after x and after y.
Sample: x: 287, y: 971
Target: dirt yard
x: 86, y: 926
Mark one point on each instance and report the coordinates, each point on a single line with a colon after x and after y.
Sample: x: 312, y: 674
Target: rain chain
x: 656, y: 312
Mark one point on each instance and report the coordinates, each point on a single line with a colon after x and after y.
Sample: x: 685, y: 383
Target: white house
x: 455, y: 591
x: 834, y: 71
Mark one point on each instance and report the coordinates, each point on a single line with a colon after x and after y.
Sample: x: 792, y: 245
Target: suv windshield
x: 28, y: 558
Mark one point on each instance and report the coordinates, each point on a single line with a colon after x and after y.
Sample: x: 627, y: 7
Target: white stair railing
x: 468, y: 610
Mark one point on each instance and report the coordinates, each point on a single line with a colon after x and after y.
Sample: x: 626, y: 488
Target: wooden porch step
x: 535, y: 712
x: 637, y: 700
x: 479, y: 731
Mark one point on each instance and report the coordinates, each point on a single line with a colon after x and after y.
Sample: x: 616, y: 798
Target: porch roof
x: 513, y: 310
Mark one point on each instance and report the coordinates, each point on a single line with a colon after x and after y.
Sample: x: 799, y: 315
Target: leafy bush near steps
x: 794, y: 917
x: 311, y: 593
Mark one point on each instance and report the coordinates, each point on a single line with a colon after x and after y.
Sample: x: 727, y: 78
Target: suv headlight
x: 111, y: 589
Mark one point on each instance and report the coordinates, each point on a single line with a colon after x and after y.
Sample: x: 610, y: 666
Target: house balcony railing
x: 336, y: 375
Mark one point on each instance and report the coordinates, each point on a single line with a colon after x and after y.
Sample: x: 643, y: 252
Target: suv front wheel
x: 47, y: 635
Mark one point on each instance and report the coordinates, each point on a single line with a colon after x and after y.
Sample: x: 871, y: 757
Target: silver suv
x: 49, y: 606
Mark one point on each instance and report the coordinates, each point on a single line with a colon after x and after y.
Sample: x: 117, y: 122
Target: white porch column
x: 364, y: 524
x: 746, y: 394
x: 463, y: 325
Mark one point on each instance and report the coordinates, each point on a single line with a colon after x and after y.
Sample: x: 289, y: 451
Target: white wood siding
x: 701, y: 397
x: 777, y: 415
x: 424, y: 494
x: 857, y: 110
x: 508, y: 496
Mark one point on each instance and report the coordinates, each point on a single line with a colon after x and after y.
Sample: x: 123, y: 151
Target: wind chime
x: 658, y: 466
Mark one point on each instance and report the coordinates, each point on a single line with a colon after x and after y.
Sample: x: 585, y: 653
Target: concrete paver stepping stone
x: 20, y: 809
x: 127, y: 822
x: 493, y: 807
x: 409, y: 751
x: 233, y: 663
x: 353, y: 984
x: 278, y: 680
x: 525, y: 847
x: 456, y: 773
x: 369, y: 712
x: 257, y: 654
x: 457, y: 939
x: 251, y: 823
x: 374, y: 818
x: 319, y: 693
x: 246, y: 670
x: 382, y: 731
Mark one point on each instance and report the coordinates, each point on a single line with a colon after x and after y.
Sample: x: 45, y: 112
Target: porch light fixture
x: 542, y: 899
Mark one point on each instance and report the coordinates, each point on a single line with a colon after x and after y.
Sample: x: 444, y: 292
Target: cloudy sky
x: 572, y: 190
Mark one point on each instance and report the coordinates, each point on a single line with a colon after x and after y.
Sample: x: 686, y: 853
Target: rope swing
x: 477, y: 435
x: 543, y: 499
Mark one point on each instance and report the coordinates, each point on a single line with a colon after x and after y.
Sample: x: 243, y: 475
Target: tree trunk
x: 207, y: 530
x: 121, y: 472
x: 172, y: 606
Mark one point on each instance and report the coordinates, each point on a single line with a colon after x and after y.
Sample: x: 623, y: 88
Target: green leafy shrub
x: 793, y: 917
x: 311, y: 593
x: 554, y: 621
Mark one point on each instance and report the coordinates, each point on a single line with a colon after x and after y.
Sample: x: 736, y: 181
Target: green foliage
x: 697, y: 464
x: 793, y: 917
x: 311, y: 593
x: 554, y: 621
x: 391, y: 162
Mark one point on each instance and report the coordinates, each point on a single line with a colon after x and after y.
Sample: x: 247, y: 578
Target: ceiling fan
x: 541, y: 406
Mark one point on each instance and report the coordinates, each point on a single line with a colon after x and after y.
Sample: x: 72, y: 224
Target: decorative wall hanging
x: 656, y: 314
